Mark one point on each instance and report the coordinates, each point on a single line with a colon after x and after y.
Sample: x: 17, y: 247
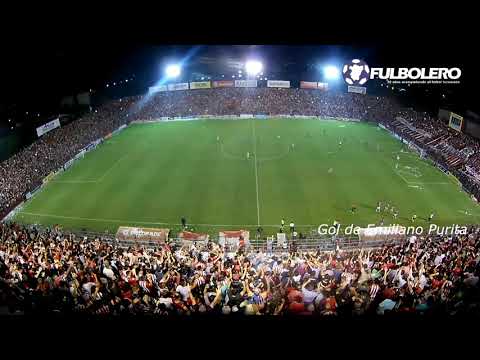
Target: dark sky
x: 36, y: 74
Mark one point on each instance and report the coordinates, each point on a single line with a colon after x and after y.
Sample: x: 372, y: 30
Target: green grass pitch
x: 151, y: 175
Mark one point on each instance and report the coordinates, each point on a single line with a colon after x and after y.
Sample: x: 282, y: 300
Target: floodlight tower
x: 173, y: 71
x: 331, y: 72
x: 253, y: 67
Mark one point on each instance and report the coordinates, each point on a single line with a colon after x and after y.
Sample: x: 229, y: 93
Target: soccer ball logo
x: 356, y: 72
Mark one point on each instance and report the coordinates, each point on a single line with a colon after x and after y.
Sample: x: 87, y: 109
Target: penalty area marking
x: 142, y: 222
x: 418, y: 183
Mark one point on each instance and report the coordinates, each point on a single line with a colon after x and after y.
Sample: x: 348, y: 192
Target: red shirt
x: 296, y: 307
x: 437, y: 283
x: 295, y: 296
x: 388, y: 293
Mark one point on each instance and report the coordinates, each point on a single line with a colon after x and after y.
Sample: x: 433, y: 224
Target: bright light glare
x: 253, y: 67
x: 172, y: 71
x: 331, y: 72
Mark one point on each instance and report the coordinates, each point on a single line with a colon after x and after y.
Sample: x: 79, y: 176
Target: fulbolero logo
x: 416, y: 73
x: 356, y: 72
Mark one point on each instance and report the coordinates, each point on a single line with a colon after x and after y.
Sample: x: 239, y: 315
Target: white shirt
x: 439, y: 259
x: 183, y: 291
x: 167, y: 301
x: 309, y: 296
x: 109, y: 273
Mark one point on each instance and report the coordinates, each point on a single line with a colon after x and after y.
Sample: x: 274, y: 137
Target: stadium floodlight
x: 173, y: 70
x: 331, y: 72
x: 253, y: 67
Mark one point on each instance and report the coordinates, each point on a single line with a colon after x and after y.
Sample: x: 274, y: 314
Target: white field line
x: 92, y: 181
x: 111, y: 167
x: 143, y: 222
x: 401, y: 176
x: 74, y: 181
x: 417, y: 182
x: 256, y: 170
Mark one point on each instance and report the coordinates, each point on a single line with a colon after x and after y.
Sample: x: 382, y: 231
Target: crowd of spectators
x: 25, y: 170
x: 52, y: 272
x: 236, y: 101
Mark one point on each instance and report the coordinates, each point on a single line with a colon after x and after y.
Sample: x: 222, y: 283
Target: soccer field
x: 152, y: 174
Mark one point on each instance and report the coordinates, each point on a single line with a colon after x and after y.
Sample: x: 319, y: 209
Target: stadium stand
x: 50, y: 271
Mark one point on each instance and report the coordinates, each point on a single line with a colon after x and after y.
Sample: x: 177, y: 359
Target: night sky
x: 38, y: 72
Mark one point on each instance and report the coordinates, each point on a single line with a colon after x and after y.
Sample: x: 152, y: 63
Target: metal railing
x: 318, y: 243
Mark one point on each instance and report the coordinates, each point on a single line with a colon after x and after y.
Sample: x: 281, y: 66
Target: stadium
x: 245, y: 195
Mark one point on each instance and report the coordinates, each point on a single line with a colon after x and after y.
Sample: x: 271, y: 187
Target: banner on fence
x: 93, y: 144
x: 152, y: 236
x: 308, y: 85
x: 45, y: 128
x: 12, y: 213
x: 323, y: 86
x: 157, y: 88
x: 246, y: 116
x: 223, y: 83
x: 68, y: 164
x: 31, y: 193
x: 234, y: 239
x: 188, y: 237
x: 178, y: 86
x: 442, y: 168
x: 278, y: 84
x: 119, y: 129
x: 245, y: 83
x: 200, y: 85
x: 80, y: 154
x: 49, y: 177
x: 357, y: 89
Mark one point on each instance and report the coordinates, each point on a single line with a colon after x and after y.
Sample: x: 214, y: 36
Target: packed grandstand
x: 51, y: 270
